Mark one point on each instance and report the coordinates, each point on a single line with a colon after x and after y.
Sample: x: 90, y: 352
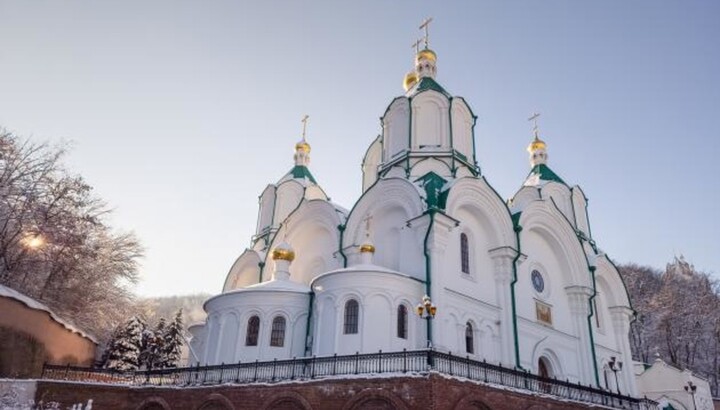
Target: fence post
x: 380, y: 361
x: 334, y: 364
x: 273, y: 367
x: 467, y: 358
x: 312, y: 367
x: 222, y: 371
x: 256, y: 370
x: 404, y: 360
x: 357, y: 361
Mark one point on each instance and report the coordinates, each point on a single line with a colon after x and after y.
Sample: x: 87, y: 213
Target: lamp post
x: 691, y: 389
x: 426, y: 310
x: 615, y: 366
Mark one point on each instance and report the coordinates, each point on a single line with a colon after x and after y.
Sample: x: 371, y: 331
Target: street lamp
x: 33, y: 241
x: 615, y: 366
x: 691, y: 389
x: 426, y: 310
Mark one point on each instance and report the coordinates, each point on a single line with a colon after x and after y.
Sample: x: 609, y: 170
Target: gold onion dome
x: 537, y: 144
x: 283, y: 252
x: 410, y: 80
x: 426, y: 54
x: 302, y: 146
x: 367, y: 248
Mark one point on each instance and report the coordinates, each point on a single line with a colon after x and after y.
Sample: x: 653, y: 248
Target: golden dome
x: 283, y: 252
x: 411, y: 79
x: 302, y: 146
x: 367, y: 247
x: 537, y: 144
x: 426, y: 54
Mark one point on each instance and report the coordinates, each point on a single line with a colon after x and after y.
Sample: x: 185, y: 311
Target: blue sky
x: 180, y: 112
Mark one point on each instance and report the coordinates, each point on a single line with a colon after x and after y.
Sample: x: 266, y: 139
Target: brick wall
x: 401, y: 392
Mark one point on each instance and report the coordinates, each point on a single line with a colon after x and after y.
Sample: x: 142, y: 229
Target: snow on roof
x: 34, y: 304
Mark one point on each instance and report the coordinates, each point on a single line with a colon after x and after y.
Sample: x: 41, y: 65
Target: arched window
x: 464, y: 253
x: 277, y: 334
x: 469, y: 339
x: 544, y: 368
x: 253, y: 329
x: 352, y: 311
x: 402, y: 322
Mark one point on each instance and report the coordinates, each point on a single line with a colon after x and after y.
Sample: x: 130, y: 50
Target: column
x: 621, y: 317
x: 503, y: 260
x: 579, y: 301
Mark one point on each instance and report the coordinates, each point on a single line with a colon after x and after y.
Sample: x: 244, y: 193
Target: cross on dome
x: 426, y: 25
x: 537, y: 148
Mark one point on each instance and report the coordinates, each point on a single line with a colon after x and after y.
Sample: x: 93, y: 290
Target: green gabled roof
x: 302, y: 172
x: 427, y: 83
x: 433, y: 183
x: 545, y: 173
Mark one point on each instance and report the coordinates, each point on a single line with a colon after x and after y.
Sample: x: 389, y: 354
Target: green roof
x: 427, y: 83
x: 545, y: 173
x: 302, y: 172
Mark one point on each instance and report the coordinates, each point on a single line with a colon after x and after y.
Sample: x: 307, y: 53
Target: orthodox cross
x: 534, y: 118
x: 304, y: 121
x: 367, y: 220
x: 416, y: 45
x: 426, y: 25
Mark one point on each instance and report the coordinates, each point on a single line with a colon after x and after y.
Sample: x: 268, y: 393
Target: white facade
x: 665, y: 384
x: 518, y: 282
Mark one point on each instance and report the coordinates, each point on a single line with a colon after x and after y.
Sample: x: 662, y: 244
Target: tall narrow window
x: 402, y: 322
x: 464, y: 253
x: 469, y: 339
x: 253, y: 329
x: 277, y: 335
x: 351, y: 317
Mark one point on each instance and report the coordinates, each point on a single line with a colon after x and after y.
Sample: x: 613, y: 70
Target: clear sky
x: 180, y: 112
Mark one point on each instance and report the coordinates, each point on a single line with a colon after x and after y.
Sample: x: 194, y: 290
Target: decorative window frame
x: 345, y: 316
x: 547, y: 283
x: 471, y: 275
x: 284, y: 331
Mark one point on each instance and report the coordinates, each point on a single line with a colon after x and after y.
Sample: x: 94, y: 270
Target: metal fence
x: 358, y: 364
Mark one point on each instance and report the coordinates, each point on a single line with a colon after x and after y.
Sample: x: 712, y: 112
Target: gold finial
x: 537, y: 143
x: 426, y: 25
x: 367, y: 246
x: 303, y: 145
x: 283, y: 252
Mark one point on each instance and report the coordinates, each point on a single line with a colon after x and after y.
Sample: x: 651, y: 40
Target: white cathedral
x: 518, y: 282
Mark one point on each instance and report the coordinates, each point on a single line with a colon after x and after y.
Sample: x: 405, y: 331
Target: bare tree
x: 55, y: 244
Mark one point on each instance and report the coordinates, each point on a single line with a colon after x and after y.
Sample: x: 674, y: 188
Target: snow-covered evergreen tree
x: 153, y: 343
x: 124, y: 349
x: 173, y: 341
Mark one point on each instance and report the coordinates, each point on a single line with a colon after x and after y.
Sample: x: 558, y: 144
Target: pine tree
x: 153, y: 342
x: 124, y: 350
x: 174, y: 341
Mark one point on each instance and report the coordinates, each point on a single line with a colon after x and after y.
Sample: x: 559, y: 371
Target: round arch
x: 154, y: 403
x: 471, y: 402
x: 288, y: 400
x: 375, y: 399
x: 216, y: 401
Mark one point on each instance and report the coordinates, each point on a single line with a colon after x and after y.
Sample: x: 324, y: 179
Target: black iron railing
x: 372, y: 363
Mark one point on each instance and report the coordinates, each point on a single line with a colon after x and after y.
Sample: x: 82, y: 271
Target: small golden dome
x: 283, y: 252
x: 426, y: 54
x: 302, y: 146
x: 367, y: 247
x: 410, y: 80
x: 537, y: 144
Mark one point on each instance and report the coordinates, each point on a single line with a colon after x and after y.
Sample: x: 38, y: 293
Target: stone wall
x: 401, y: 392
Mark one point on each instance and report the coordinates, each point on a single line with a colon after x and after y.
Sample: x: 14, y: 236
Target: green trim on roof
x: 427, y: 83
x: 433, y: 184
x: 546, y: 174
x: 302, y: 172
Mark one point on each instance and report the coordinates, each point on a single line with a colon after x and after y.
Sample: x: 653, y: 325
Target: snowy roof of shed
x: 34, y: 304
